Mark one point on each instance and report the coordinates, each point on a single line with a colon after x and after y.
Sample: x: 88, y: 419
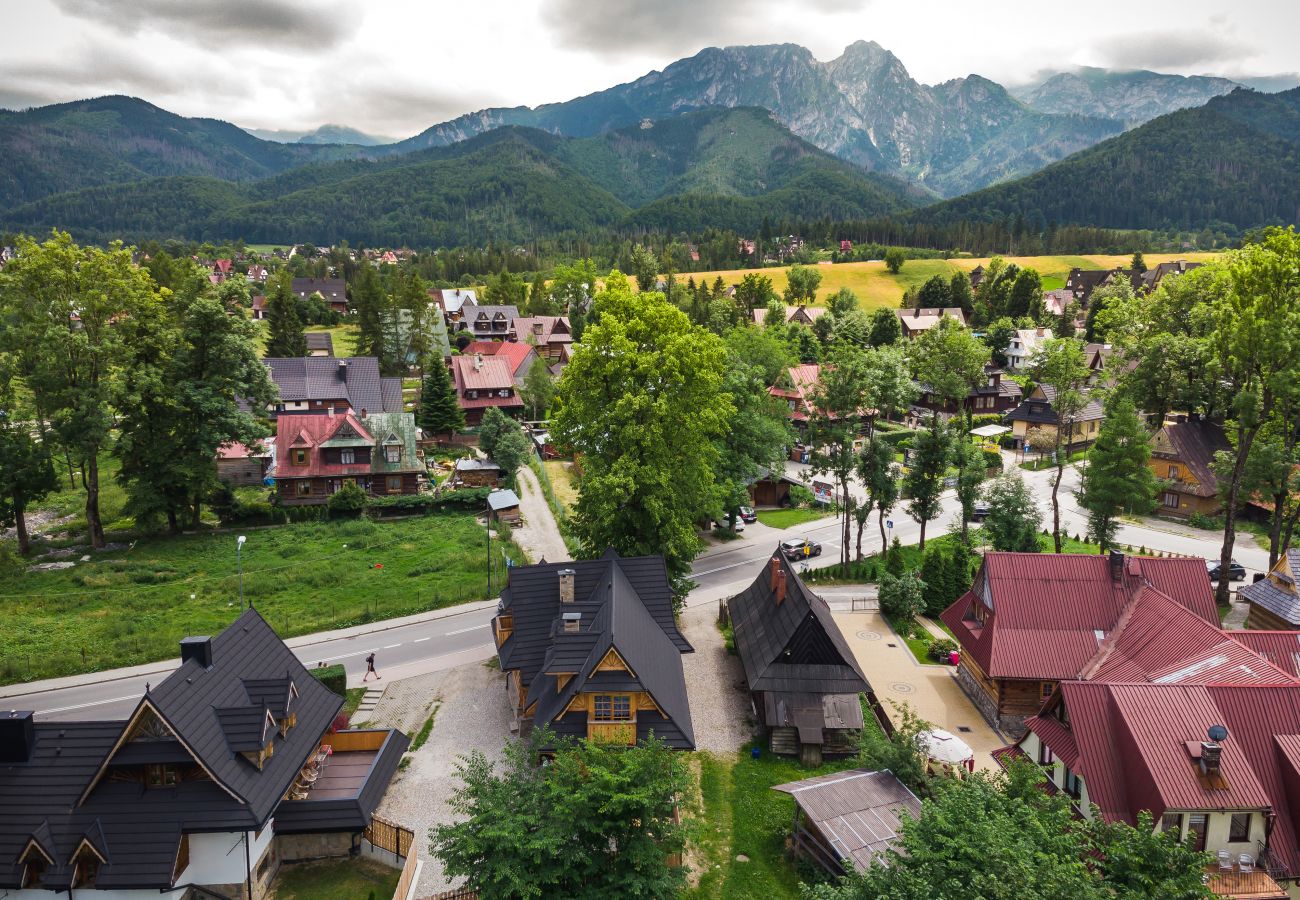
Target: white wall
x: 219, y: 858
x: 150, y: 894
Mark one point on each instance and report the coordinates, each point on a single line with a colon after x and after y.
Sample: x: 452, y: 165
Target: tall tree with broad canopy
x: 1060, y: 364
x: 506, y: 289
x: 894, y: 259
x: 1271, y: 474
x: 1116, y: 476
x: 1255, y: 343
x: 755, y: 442
x: 1014, y: 518
x: 755, y: 292
x: 538, y: 389
x: 878, y: 473
x: 839, y: 401
x: 573, y: 285
x: 885, y: 328
x: 62, y: 305
x: 594, y: 822
x: 26, y: 471
x: 801, y: 284
x: 643, y: 401
x: 645, y: 269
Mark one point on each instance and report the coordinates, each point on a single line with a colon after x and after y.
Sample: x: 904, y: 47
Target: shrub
x: 901, y: 598
x: 223, y: 503
x: 940, y: 648
x: 895, y: 438
x: 466, y: 498
x: 350, y: 500
x: 992, y: 460
x: 334, y: 677
x: 1212, y: 523
x: 800, y: 495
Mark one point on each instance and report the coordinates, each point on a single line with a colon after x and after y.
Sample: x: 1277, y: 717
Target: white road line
x: 391, y: 646
x: 46, y: 712
x: 342, y: 656
x: 418, y: 640
x: 471, y: 628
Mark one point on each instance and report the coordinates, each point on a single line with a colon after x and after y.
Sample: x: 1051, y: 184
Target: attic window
x: 300, y: 457
x: 572, y: 622
x: 393, y: 454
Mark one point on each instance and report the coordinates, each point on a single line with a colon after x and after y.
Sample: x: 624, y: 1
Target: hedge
x: 896, y: 438
x: 334, y: 677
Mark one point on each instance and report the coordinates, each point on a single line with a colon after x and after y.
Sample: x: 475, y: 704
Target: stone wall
x: 299, y: 847
x: 1013, y: 726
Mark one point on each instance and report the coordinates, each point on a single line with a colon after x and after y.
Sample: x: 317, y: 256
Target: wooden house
x: 798, y: 315
x: 319, y: 343
x: 591, y: 649
x: 334, y: 291
x: 915, y: 321
x: 1275, y: 599
x: 314, y: 384
x: 484, y: 381
x: 472, y: 472
x: 1182, y: 457
x: 241, y: 466
x: 551, y: 335
x: 802, y: 676
x: 1039, y: 411
x: 1031, y: 620
x: 503, y: 506
x: 316, y: 455
x: 995, y: 394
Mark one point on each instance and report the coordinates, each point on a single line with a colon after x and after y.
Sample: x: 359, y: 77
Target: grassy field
x: 335, y: 879
x: 790, y: 517
x: 564, y: 481
x: 876, y: 287
x: 132, y: 605
x: 343, y: 337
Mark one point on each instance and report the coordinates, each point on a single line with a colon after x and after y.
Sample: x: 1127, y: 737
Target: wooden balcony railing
x: 621, y: 734
x: 350, y: 741
x: 504, y: 627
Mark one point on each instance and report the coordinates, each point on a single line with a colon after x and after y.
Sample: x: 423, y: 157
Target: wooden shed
x: 241, y: 466
x: 504, y: 506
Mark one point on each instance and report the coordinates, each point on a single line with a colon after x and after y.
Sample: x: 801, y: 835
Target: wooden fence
x: 407, y: 877
x: 458, y: 894
x: 390, y: 836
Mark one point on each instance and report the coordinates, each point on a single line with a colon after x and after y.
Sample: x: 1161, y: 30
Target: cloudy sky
x: 394, y: 67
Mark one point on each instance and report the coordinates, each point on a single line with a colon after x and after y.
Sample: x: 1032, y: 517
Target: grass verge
x: 558, y: 509
x: 336, y: 879
x: 792, y: 516
x: 133, y: 605
x: 352, y: 699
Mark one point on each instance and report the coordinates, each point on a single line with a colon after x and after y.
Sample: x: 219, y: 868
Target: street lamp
x: 239, y: 560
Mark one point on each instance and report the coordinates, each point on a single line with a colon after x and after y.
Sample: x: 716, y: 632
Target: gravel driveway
x: 720, y: 709
x: 472, y: 714
x: 539, y: 535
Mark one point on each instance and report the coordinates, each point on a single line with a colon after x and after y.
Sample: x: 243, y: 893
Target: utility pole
x: 489, y: 549
x: 239, y: 561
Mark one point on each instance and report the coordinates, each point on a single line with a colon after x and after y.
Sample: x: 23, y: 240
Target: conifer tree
x: 285, y: 337
x: 439, y: 413
x: 1117, y: 476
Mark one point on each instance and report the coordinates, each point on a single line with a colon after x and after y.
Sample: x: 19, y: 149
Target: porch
x: 339, y: 789
x: 1253, y: 885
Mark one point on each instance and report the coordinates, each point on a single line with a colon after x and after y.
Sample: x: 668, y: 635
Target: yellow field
x: 875, y: 287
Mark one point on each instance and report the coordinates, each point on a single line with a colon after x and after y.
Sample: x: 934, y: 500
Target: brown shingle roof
x: 1193, y: 443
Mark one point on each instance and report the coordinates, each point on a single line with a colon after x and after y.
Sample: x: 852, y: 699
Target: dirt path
x: 539, y: 535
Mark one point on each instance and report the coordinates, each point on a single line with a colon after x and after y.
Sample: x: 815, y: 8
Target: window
x: 1173, y: 472
x: 393, y: 454
x: 1196, y: 828
x: 1045, y: 689
x: 304, y: 488
x: 1239, y: 828
x: 347, y: 456
x: 162, y: 776
x: 1073, y: 786
x: 1172, y: 822
x: 612, y: 708
x: 1045, y: 755
x: 1169, y: 499
x: 300, y: 457
x: 394, y: 483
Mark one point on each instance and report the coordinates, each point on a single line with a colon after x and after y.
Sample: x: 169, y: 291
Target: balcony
x: 1256, y: 885
x: 503, y: 626
x: 351, y: 779
x: 619, y: 734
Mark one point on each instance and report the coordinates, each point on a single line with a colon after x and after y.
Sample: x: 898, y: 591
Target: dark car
x: 980, y: 512
x: 747, y: 514
x: 801, y: 549
x: 1236, y: 571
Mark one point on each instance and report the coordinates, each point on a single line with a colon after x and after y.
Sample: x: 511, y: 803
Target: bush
x: 223, y: 503
x: 466, y: 498
x: 334, y: 677
x: 983, y: 419
x: 901, y: 599
x: 940, y: 648
x: 349, y: 500
x: 1212, y: 523
x: 800, y: 495
x: 896, y: 438
x: 992, y: 460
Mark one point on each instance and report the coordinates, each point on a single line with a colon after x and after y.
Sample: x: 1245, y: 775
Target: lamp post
x: 489, y: 548
x: 239, y: 561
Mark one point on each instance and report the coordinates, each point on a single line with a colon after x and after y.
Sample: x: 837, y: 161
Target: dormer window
x: 347, y: 456
x: 299, y: 457
x: 393, y: 453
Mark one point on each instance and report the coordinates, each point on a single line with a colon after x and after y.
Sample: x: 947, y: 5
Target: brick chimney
x: 1116, y: 565
x: 780, y: 587
x: 566, y: 585
x: 478, y: 362
x: 774, y: 567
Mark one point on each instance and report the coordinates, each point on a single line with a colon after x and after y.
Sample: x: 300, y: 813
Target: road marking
x: 47, y: 712
x: 391, y: 646
x: 471, y: 628
x: 418, y: 640
x: 344, y: 655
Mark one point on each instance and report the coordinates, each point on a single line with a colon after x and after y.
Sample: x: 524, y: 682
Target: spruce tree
x: 438, y: 413
x: 1117, y: 477
x: 934, y: 574
x: 285, y: 337
x: 370, y: 304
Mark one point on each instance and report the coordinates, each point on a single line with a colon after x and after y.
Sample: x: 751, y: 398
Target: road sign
x: 889, y: 523
x: 823, y: 492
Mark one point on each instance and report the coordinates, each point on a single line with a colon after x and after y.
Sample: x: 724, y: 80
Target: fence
x: 407, y: 878
x: 458, y: 894
x: 390, y: 836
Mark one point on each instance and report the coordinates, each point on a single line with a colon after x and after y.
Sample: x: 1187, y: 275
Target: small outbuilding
x: 473, y: 472
x: 504, y: 506
x: 845, y: 820
x: 772, y: 488
x: 241, y: 466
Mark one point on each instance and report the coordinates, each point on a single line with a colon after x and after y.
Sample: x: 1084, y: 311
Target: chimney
x: 343, y: 370
x: 478, y: 362
x: 566, y: 585
x: 1210, y: 757
x: 1116, y: 565
x: 198, y: 649
x: 17, y: 735
x: 780, y: 588
x: 363, y: 412
x: 330, y: 410
x: 774, y: 567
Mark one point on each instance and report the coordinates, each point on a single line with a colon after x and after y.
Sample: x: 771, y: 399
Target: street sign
x: 823, y: 492
x: 889, y: 523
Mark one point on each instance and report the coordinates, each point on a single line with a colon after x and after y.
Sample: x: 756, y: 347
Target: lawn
x: 876, y: 287
x: 132, y: 605
x: 335, y: 879
x: 344, y: 337
x: 790, y: 517
x: 564, y: 481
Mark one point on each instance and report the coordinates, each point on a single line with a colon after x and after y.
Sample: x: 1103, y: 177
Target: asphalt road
x: 449, y: 637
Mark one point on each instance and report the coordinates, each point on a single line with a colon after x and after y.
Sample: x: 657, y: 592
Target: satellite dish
x: 1218, y: 733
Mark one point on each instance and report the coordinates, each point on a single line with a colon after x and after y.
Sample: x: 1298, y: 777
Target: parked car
x: 747, y: 514
x: 725, y: 525
x: 980, y: 512
x: 1236, y: 571
x: 801, y: 549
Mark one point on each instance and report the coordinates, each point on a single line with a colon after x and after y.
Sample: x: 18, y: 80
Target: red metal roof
x: 515, y: 353
x: 310, y: 431
x: 1050, y: 612
x: 1281, y: 648
x: 475, y: 372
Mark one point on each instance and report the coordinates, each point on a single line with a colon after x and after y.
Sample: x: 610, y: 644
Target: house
x: 483, y: 381
x: 1082, y: 282
x: 799, y: 315
x: 745, y: 247
x: 1024, y: 344
x: 489, y: 323
x: 503, y: 506
x: 1182, y: 457
x: 454, y: 303
x: 803, y: 679
x: 259, y: 307
x: 1032, y: 620
x: 1056, y: 302
x: 846, y: 820
x: 518, y: 356
x: 846, y: 246
x: 241, y: 466
x: 316, y: 455
x: 1151, y: 278
x: 226, y: 768
x: 772, y: 488
x: 1038, y: 411
x: 915, y: 321
x: 316, y: 384
x: 472, y: 472
x: 1275, y: 599
x: 976, y: 276
x: 798, y: 395
x: 334, y: 291
x: 319, y: 343
x: 388, y: 258
x: 591, y: 650
x: 257, y: 274
x: 222, y: 269
x: 551, y: 335
x: 996, y: 394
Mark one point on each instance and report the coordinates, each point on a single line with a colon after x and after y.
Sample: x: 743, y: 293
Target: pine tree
x: 539, y: 298
x: 285, y: 337
x: 370, y: 304
x: 934, y: 574
x: 438, y: 413
x: 1117, y: 476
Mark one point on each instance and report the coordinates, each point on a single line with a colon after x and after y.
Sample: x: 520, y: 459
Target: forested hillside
x: 1234, y: 161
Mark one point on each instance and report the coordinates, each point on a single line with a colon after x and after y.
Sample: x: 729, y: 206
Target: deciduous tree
x: 538, y: 389
x: 26, y: 470
x: 801, y: 284
x: 1060, y: 365
x: 894, y: 259
x: 1014, y: 518
x: 923, y: 483
x: 838, y: 402
x: 885, y: 328
x: 878, y: 473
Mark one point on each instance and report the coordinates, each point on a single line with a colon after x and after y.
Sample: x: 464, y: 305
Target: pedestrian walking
x: 370, y: 668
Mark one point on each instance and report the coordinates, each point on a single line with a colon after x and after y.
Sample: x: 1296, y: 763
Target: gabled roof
x: 1039, y: 408
x: 394, y: 429
x: 514, y: 353
x: 333, y: 290
x: 793, y: 646
x: 481, y: 373
x: 925, y: 318
x: 452, y: 299
x: 553, y: 329
x: 319, y: 340
x: 859, y: 812
x: 1049, y: 613
x: 1280, y: 648
x: 486, y: 316
x: 1192, y: 443
x: 355, y: 379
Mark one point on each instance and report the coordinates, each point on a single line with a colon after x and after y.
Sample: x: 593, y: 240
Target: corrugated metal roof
x: 1281, y: 648
x: 481, y: 373
x: 503, y: 499
x: 355, y: 379
x: 860, y: 812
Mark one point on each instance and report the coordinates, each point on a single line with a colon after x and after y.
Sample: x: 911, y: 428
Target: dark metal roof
x: 1285, y: 604
x: 624, y: 604
x: 794, y: 646
x: 859, y: 812
x: 355, y: 379
x: 1193, y: 443
x: 320, y: 340
x: 297, y: 816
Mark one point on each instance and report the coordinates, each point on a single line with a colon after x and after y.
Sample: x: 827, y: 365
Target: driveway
x: 931, y: 691
x: 539, y: 535
x: 720, y: 709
